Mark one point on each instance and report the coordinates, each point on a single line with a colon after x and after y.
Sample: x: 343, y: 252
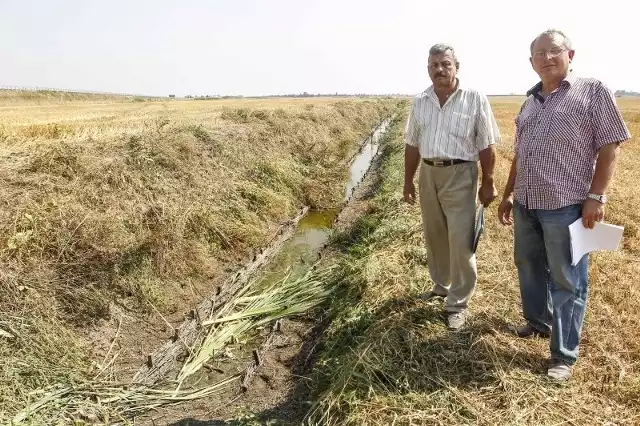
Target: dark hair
x: 444, y: 48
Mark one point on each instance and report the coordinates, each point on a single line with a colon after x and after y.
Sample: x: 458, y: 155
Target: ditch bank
x: 291, y: 252
x: 296, y: 245
x: 273, y: 363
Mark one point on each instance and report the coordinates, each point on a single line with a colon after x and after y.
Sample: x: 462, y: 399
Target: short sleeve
x: 411, y: 131
x: 487, y: 131
x: 606, y: 119
x: 517, y: 132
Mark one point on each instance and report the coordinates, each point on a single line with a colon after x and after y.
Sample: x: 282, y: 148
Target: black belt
x: 444, y: 163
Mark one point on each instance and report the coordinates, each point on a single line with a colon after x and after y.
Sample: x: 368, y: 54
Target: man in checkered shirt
x: 568, y: 135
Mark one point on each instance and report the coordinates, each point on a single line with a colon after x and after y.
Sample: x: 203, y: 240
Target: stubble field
x: 389, y: 359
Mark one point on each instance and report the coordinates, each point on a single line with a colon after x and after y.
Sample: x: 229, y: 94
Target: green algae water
x: 313, y: 231
x: 301, y: 251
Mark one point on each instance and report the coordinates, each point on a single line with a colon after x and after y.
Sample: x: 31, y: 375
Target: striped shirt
x: 558, y: 139
x: 464, y: 126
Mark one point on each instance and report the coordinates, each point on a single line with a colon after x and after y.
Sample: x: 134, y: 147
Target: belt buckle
x: 438, y: 163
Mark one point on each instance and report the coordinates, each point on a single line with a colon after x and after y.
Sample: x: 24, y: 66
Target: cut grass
x: 389, y: 359
x: 255, y: 307
x: 106, y: 403
x: 111, y: 403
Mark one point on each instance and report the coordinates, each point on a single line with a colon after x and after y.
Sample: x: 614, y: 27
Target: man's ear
x: 571, y: 54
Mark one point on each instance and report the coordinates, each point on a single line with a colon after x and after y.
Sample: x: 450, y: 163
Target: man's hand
x: 487, y: 193
x: 411, y: 162
x: 505, y: 209
x: 592, y: 212
x: 409, y: 192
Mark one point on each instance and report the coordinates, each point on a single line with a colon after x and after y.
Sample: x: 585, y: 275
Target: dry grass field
x: 147, y: 205
x: 389, y: 359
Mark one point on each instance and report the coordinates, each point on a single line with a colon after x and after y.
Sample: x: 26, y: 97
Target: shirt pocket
x: 565, y: 126
x: 461, y: 125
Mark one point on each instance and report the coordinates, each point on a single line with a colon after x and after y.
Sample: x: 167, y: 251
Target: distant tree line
x: 210, y: 97
x: 319, y: 95
x: 621, y: 93
x: 294, y: 95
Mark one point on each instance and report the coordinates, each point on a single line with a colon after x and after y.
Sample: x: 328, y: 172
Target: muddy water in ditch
x: 364, y: 157
x: 297, y: 255
x: 313, y: 230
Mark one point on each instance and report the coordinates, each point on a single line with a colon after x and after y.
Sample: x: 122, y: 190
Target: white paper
x: 603, y: 236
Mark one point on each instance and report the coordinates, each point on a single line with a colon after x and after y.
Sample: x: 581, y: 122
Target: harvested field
x: 389, y: 359
x: 141, y: 208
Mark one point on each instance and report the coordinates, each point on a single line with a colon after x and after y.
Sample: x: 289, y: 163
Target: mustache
x: 440, y: 74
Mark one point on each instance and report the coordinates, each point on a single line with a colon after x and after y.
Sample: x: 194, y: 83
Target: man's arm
x: 411, y: 162
x: 506, y: 206
x: 487, y: 135
x: 511, y: 181
x: 610, y: 131
x: 411, y: 154
x: 488, y: 190
x: 488, y: 163
x: 605, y: 166
x: 593, y: 210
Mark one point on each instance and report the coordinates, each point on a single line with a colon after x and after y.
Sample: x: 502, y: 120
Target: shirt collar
x: 570, y: 79
x: 431, y: 91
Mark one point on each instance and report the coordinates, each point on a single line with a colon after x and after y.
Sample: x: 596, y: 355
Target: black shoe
x: 527, y: 331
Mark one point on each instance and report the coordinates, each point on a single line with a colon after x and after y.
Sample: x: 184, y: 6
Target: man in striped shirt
x: 449, y: 129
x: 568, y: 134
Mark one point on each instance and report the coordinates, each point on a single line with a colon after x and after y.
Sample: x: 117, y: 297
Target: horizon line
x: 228, y: 96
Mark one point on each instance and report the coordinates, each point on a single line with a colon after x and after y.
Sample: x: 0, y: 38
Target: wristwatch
x: 598, y: 197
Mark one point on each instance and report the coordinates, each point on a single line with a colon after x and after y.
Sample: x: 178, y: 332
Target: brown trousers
x: 448, y: 204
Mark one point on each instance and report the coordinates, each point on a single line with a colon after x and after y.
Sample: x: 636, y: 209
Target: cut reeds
x: 108, y: 402
x: 259, y: 306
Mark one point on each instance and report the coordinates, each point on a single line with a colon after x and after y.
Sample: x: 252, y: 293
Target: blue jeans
x: 554, y: 293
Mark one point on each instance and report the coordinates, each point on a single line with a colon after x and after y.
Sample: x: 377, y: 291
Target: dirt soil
x: 132, y: 336
x: 278, y: 394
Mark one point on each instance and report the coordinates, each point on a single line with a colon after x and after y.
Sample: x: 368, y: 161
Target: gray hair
x: 552, y: 33
x: 444, y: 48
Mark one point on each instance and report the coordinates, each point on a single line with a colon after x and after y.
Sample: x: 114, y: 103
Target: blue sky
x: 256, y: 47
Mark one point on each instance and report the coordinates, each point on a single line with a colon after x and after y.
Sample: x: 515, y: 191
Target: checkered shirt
x: 558, y: 139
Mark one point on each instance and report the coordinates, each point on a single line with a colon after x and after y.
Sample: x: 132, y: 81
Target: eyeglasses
x: 553, y: 53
